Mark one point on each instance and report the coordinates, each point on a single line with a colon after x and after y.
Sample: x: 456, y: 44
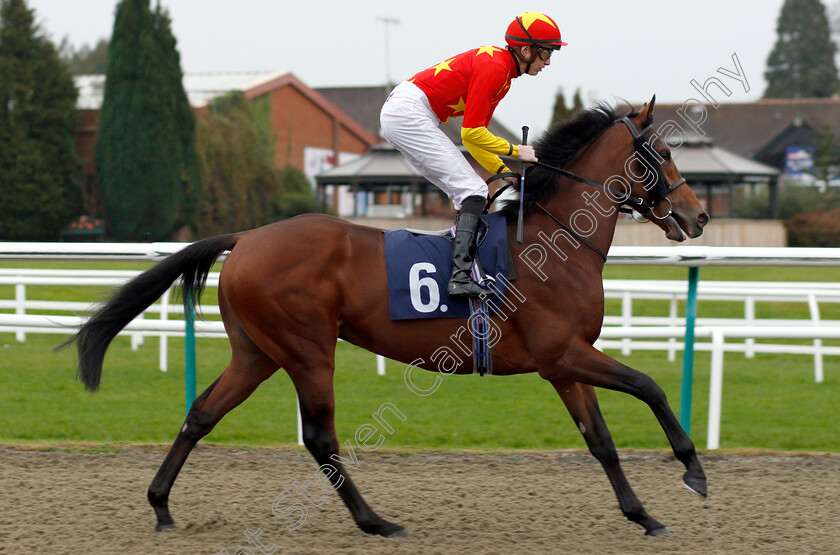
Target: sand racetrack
x: 67, y: 501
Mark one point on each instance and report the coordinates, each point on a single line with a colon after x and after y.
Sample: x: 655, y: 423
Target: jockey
x: 471, y: 85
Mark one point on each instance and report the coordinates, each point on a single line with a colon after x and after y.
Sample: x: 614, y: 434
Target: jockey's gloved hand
x: 526, y: 154
x: 510, y: 181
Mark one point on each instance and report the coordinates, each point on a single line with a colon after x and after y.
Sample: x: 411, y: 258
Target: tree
x: 801, y: 64
x: 242, y: 188
x: 237, y: 172
x: 296, y: 195
x: 39, y: 173
x: 561, y: 112
x: 577, y: 102
x: 184, y: 117
x: 85, y: 60
x: 145, y: 151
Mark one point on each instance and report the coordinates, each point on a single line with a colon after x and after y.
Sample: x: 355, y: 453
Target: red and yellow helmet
x: 534, y: 28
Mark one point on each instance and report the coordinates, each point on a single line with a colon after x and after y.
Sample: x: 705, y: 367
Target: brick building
x: 312, y: 133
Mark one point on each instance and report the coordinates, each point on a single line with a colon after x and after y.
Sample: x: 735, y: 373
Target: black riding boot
x: 461, y: 283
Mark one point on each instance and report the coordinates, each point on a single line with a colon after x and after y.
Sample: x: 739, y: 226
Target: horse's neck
x: 589, y: 211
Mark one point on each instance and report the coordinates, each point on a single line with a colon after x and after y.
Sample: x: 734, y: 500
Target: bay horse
x: 288, y: 291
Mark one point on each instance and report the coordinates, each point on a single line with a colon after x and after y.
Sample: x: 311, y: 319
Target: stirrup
x: 469, y: 289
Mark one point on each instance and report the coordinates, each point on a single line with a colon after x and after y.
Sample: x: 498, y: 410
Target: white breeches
x: 409, y: 123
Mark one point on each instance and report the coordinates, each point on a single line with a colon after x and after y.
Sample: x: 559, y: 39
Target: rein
x: 633, y: 202
x: 574, y: 233
x: 637, y: 201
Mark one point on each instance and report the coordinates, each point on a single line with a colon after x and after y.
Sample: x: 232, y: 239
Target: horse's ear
x: 648, y: 109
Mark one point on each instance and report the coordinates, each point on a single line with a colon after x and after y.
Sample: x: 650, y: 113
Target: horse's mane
x: 557, y: 147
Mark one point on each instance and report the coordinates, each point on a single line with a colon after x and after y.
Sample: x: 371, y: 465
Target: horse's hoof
x: 659, y: 532
x: 697, y: 485
x: 164, y: 526
x: 383, y: 528
x: 398, y: 532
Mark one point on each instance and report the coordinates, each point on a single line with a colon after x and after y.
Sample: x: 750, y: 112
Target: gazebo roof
x: 384, y: 164
x: 698, y: 159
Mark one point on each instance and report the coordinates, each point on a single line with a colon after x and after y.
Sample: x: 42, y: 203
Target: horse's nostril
x: 703, y: 219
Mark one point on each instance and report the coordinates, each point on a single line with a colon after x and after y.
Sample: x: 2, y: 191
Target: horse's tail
x: 94, y: 336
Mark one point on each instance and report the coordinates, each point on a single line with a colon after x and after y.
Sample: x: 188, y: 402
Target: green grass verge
x: 770, y: 402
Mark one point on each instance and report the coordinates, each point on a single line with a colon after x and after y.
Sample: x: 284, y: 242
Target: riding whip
x: 521, y: 220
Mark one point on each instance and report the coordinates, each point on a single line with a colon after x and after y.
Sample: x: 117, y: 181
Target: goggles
x: 545, y: 53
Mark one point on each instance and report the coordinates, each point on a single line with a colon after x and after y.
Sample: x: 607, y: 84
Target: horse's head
x: 621, y: 155
x: 656, y: 179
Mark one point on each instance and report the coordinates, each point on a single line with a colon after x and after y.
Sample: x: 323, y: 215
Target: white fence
x: 142, y: 327
x: 624, y: 331
x: 810, y: 294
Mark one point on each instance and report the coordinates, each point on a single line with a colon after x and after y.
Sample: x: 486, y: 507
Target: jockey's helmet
x: 534, y: 28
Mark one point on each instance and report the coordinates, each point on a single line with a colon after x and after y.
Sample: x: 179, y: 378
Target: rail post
x: 189, y: 354
x: 688, y: 350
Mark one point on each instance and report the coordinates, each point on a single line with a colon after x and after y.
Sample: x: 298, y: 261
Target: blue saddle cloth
x: 419, y: 267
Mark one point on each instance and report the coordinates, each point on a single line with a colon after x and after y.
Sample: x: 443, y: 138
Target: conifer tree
x: 560, y: 111
x: 182, y: 115
x: 145, y: 152
x: 577, y: 102
x: 39, y: 173
x: 801, y: 64
x: 85, y: 60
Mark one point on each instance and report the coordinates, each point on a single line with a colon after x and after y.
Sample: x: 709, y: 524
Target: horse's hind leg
x: 582, y: 404
x: 314, y: 386
x: 248, y: 368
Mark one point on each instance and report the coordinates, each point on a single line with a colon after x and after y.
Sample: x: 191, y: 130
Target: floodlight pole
x: 387, y: 21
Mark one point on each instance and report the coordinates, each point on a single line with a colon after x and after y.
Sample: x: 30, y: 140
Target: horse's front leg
x: 585, y: 364
x: 582, y: 404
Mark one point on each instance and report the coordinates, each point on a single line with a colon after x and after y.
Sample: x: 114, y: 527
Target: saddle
x: 429, y: 271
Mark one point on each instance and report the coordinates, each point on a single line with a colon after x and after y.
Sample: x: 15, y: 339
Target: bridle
x: 660, y: 188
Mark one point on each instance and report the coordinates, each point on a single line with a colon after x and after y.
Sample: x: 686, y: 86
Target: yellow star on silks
x: 487, y: 50
x: 530, y: 17
x: 443, y: 65
x: 458, y: 108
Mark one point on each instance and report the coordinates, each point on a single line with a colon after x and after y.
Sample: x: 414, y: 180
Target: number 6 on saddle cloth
x: 418, y: 265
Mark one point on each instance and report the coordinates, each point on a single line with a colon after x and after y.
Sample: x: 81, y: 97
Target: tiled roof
x: 360, y: 103
x: 746, y: 128
x: 382, y: 164
x: 364, y: 104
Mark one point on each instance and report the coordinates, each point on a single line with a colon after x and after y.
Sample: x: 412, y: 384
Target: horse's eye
x: 665, y: 154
